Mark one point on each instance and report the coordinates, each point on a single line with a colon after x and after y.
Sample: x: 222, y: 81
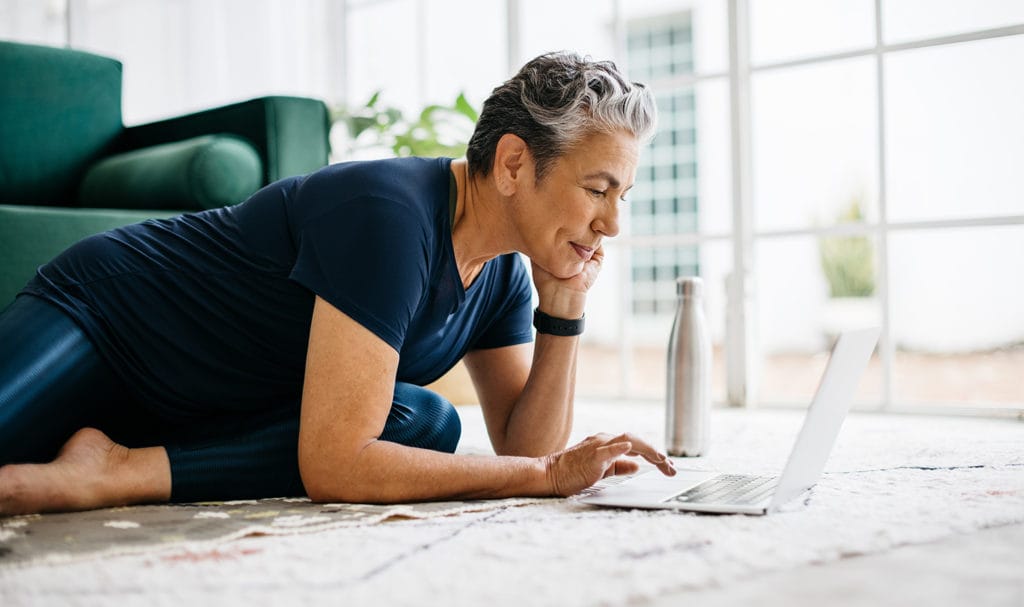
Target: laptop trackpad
x: 650, y: 486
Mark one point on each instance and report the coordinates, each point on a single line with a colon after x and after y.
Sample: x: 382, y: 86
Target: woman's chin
x: 562, y: 271
x: 571, y: 271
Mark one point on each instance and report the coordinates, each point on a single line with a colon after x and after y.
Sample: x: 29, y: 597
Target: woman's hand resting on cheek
x: 566, y: 297
x: 580, y: 466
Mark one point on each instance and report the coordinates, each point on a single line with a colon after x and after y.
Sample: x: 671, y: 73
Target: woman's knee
x: 421, y: 418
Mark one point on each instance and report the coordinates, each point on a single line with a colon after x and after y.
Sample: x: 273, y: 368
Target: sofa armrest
x: 290, y: 134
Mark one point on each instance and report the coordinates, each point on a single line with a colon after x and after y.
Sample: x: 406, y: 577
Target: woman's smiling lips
x: 585, y: 252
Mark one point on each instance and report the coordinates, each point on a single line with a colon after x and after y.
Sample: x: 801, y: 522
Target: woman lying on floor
x: 277, y: 347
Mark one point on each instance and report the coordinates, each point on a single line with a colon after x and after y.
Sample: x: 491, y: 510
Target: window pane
x: 450, y: 67
x: 660, y: 48
x: 664, y: 197
x: 688, y: 161
x: 186, y: 56
x: 904, y: 20
x: 955, y: 130
x: 684, y: 176
x: 382, y: 51
x: 815, y: 132
x: 956, y: 315
x: 151, y: 39
x: 809, y: 289
x: 641, y: 339
x: 714, y: 163
x: 584, y: 26
x: 707, y: 36
x: 683, y: 181
x: 33, y: 22
x: 792, y: 29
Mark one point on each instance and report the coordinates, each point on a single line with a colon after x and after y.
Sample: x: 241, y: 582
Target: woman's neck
x: 482, y: 230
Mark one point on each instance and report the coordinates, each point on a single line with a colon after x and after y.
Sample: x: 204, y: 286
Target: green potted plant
x: 374, y: 128
x: 848, y: 263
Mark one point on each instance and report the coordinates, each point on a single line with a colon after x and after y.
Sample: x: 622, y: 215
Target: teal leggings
x: 53, y: 382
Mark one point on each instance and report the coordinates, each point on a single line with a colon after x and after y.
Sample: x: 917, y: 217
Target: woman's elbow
x: 340, y: 492
x: 330, y: 478
x: 315, y: 481
x: 318, y: 492
x: 321, y: 478
x: 322, y: 487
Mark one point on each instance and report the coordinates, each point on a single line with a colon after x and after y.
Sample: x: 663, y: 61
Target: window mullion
x: 741, y: 365
x: 886, y: 348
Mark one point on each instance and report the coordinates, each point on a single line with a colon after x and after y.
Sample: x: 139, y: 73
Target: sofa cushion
x: 60, y: 111
x: 200, y: 173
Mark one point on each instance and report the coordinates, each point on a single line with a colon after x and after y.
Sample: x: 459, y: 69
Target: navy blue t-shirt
x: 210, y: 312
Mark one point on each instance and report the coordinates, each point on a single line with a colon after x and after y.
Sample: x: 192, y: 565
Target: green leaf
x: 427, y: 114
x: 463, y: 107
x: 358, y: 124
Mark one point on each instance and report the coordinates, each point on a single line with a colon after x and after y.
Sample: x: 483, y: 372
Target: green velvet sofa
x: 69, y: 167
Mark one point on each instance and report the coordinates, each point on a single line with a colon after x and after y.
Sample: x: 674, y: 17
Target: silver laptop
x: 699, y: 491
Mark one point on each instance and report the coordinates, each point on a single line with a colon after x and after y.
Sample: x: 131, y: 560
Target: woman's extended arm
x: 346, y: 398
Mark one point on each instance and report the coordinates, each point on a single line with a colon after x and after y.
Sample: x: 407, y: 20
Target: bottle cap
x: 689, y: 286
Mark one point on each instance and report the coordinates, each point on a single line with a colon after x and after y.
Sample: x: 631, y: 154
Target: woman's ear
x: 511, y: 157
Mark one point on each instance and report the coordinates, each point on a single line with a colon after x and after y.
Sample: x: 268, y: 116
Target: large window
x: 882, y: 194
x: 879, y: 188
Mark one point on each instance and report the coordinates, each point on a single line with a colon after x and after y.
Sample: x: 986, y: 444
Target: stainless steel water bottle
x: 689, y: 373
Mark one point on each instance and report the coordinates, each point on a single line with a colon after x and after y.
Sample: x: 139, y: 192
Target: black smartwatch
x: 557, y: 326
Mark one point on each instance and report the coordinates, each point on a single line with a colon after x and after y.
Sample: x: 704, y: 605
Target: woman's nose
x: 607, y: 222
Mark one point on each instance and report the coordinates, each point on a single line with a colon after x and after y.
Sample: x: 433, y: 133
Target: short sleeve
x: 513, y: 323
x: 367, y: 257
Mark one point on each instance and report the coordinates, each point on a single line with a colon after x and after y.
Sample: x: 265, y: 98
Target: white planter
x: 843, y: 313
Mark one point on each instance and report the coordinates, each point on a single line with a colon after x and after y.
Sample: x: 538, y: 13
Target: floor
x: 981, y: 568
x: 556, y: 554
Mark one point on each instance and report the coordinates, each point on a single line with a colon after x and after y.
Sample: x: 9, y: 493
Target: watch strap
x: 552, y: 325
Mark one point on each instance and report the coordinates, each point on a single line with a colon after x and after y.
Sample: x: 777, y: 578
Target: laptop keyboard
x: 604, y: 484
x: 729, y: 489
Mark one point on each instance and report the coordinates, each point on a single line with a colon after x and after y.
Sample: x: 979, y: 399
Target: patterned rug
x: 892, y: 481
x: 62, y: 538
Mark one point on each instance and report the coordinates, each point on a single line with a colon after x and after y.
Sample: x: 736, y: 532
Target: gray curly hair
x: 553, y: 103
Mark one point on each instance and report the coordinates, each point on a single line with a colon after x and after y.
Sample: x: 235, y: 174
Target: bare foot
x: 91, y: 471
